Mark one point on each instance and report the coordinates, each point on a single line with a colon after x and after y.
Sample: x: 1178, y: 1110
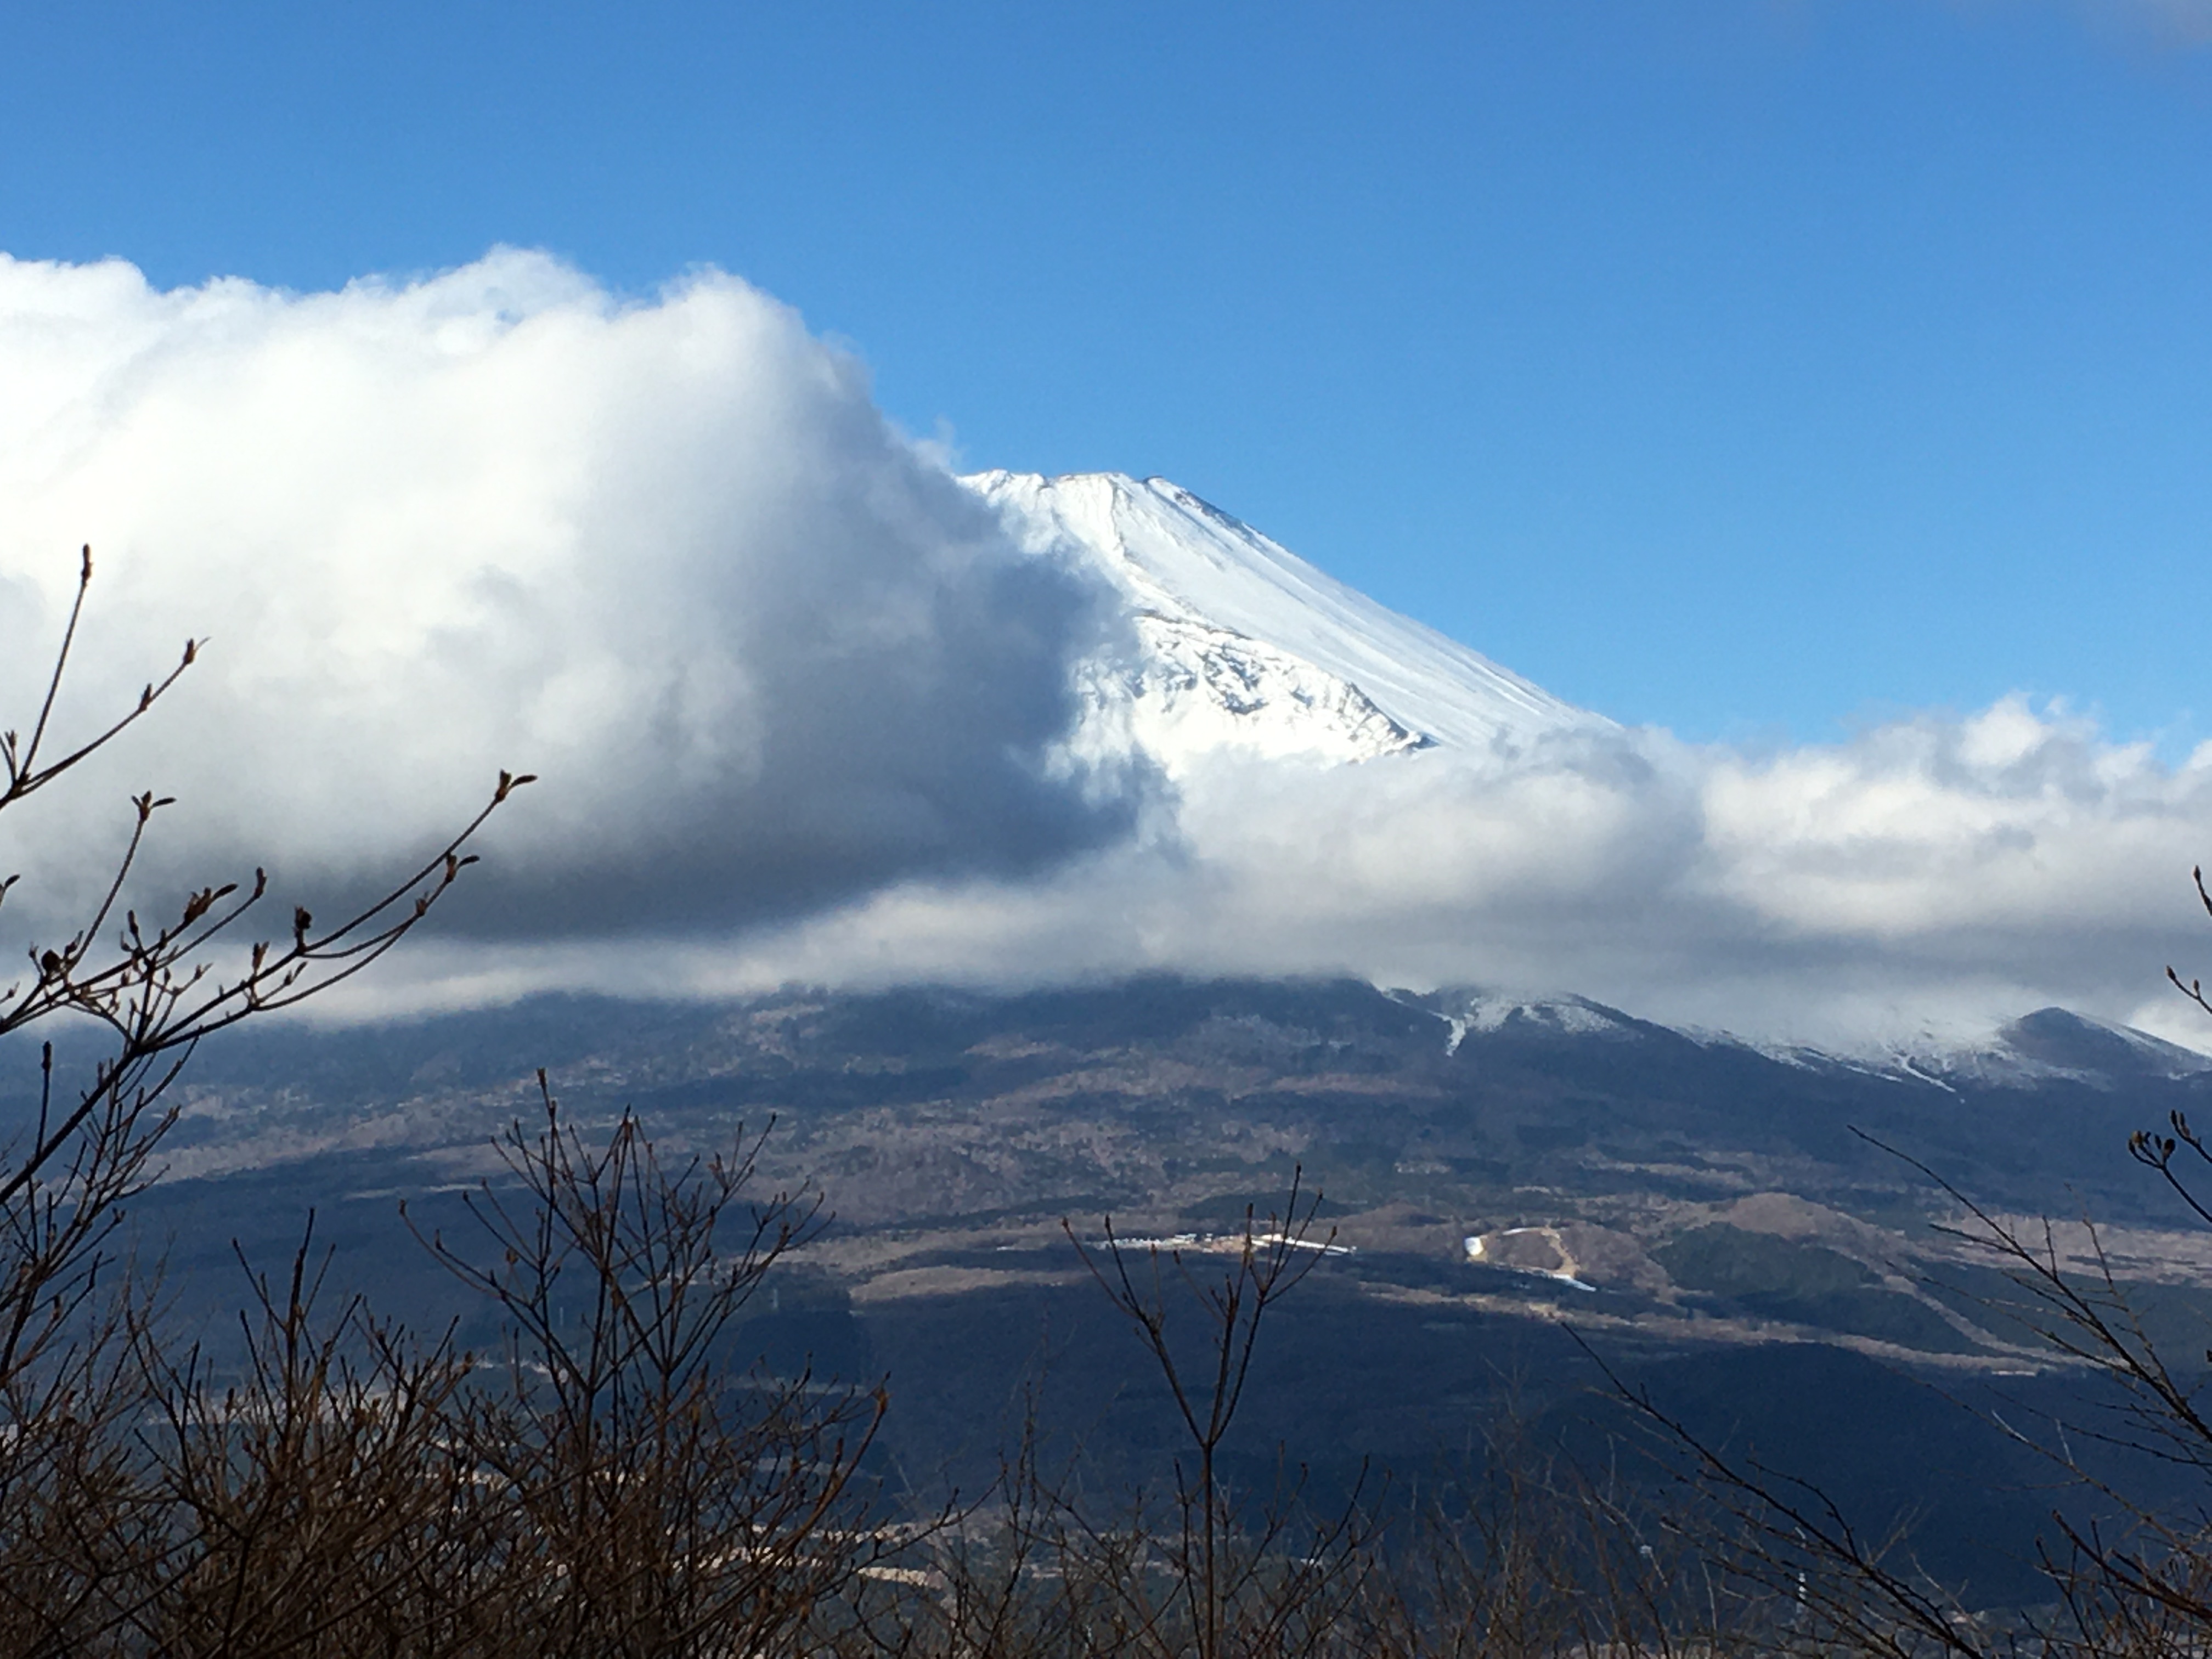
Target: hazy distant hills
x: 1426, y: 1118
x: 1699, y: 1211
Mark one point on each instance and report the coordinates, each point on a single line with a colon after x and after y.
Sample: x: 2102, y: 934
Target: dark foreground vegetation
x: 612, y: 1475
x: 592, y: 1462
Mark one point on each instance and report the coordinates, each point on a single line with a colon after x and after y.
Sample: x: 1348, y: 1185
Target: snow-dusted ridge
x: 2050, y: 1046
x: 1472, y: 1012
x: 1242, y: 644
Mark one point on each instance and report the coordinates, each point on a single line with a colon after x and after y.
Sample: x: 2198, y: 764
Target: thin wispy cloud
x: 2185, y: 21
x: 2164, y: 23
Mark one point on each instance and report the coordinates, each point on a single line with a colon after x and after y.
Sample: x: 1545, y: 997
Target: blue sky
x: 1750, y: 368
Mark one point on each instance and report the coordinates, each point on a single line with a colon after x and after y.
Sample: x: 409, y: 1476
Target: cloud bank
x: 1931, y: 877
x: 802, y: 709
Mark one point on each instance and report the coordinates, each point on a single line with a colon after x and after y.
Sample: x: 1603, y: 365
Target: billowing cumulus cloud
x: 800, y: 707
x: 668, y: 556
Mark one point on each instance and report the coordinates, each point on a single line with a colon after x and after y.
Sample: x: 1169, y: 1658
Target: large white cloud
x: 669, y: 556
x: 798, y: 703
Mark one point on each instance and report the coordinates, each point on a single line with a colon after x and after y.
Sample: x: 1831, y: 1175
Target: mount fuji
x: 1242, y: 646
x: 1238, y: 647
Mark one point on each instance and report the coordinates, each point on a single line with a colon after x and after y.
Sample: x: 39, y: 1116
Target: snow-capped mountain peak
x: 1240, y: 644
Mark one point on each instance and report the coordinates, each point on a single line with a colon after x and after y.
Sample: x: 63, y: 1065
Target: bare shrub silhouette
x: 83, y: 1529
x: 1529, y: 1558
x: 2129, y: 1574
x: 661, y: 1499
x: 1043, y: 1566
x: 313, y: 1504
x: 157, y: 987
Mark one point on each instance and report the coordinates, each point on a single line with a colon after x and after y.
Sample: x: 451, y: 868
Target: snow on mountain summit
x: 1242, y: 644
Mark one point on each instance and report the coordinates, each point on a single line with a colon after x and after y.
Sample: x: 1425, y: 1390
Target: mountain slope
x: 1242, y: 644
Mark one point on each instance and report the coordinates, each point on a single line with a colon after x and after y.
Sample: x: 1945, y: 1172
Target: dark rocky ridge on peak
x: 2112, y: 1055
